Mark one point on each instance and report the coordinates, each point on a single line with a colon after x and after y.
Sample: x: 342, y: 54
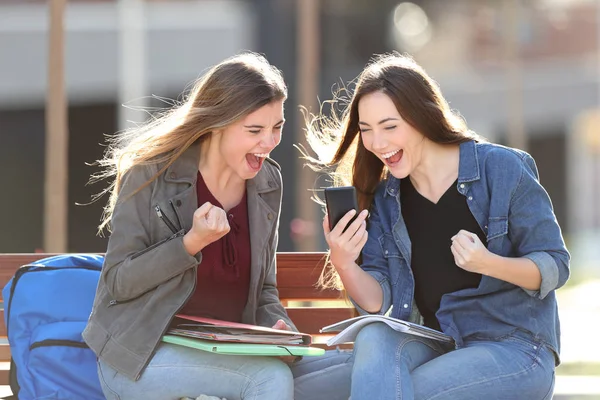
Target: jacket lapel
x: 261, y: 218
x: 185, y: 171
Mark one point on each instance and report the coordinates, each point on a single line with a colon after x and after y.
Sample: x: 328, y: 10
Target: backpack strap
x: 12, y: 380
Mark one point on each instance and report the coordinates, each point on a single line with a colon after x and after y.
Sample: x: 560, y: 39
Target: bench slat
x: 4, y: 372
x: 4, y: 352
x: 297, y: 274
x: 310, y: 320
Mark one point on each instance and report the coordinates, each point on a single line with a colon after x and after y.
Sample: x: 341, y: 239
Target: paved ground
x: 579, y: 309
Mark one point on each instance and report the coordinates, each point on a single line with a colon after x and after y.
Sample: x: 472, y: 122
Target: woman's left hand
x: 281, y: 325
x: 469, y: 252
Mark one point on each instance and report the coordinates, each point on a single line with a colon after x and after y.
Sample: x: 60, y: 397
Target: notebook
x: 224, y: 331
x: 348, y: 329
x: 247, y: 349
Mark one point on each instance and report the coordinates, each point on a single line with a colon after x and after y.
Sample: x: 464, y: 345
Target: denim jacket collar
x: 468, y: 167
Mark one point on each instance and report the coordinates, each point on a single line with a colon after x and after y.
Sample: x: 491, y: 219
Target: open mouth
x: 255, y: 160
x: 393, y: 157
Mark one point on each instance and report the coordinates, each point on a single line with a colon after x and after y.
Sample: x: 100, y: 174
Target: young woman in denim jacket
x: 460, y: 236
x: 194, y: 214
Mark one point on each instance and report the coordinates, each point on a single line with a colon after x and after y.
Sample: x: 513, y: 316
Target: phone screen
x: 339, y: 201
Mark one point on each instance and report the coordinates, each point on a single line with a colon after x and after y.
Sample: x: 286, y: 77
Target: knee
x: 280, y: 372
x: 372, y: 336
x: 373, y: 341
x: 275, y: 375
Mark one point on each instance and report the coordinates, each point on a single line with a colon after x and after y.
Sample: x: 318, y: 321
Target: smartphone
x: 340, y: 200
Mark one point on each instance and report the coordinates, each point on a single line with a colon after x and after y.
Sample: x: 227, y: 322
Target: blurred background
x: 524, y: 73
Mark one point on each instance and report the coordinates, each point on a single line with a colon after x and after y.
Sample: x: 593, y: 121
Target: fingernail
x: 364, y: 212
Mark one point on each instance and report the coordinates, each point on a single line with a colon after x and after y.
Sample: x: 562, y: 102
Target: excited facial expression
x: 246, y: 143
x: 387, y: 135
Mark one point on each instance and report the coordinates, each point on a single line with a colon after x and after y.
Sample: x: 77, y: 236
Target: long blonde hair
x: 337, y: 142
x: 227, y: 92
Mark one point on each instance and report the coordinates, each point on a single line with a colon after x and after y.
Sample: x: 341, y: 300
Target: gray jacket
x: 148, y: 275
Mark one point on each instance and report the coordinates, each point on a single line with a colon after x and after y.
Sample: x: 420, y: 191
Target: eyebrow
x: 256, y: 126
x: 381, y: 122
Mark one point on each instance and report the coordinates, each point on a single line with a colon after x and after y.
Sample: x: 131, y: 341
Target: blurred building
x: 182, y: 38
x: 558, y: 64
x: 462, y: 43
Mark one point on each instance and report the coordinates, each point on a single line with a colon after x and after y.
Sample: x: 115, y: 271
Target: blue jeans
x: 177, y: 371
x: 393, y: 365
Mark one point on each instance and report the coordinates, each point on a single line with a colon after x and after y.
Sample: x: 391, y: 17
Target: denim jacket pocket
x: 389, y: 248
x: 497, y: 226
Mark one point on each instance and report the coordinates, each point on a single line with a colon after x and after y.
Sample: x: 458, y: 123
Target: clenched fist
x: 210, y: 224
x: 469, y: 252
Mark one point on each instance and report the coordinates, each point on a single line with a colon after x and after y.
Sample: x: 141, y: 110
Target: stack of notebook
x: 235, y: 338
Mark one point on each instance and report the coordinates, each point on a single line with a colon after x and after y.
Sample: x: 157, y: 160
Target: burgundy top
x: 224, y: 273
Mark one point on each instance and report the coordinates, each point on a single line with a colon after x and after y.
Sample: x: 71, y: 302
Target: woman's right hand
x: 345, y: 246
x: 209, y: 225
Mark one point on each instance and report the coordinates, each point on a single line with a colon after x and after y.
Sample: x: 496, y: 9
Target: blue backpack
x: 47, y: 305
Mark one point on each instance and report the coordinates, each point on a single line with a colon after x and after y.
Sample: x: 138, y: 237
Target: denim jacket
x: 514, y: 211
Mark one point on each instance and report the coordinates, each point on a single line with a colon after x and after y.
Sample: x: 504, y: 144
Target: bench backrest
x: 310, y: 308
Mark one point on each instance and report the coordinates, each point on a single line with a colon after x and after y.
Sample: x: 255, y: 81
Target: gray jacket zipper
x: 165, y: 219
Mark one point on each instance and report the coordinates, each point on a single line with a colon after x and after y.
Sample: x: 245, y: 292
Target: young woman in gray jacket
x: 194, y: 213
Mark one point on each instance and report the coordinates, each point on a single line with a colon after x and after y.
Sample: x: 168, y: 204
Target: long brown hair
x: 336, y: 139
x: 230, y: 90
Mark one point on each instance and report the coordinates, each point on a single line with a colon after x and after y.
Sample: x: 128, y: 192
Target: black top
x: 430, y: 228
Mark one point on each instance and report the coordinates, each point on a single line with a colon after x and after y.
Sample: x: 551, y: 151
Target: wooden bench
x: 296, y: 278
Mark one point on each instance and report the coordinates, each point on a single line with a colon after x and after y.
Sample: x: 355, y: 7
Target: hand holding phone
x: 345, y: 247
x: 340, y: 200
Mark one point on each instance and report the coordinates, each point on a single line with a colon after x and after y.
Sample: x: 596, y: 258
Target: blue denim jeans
x: 393, y: 365
x: 177, y: 371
